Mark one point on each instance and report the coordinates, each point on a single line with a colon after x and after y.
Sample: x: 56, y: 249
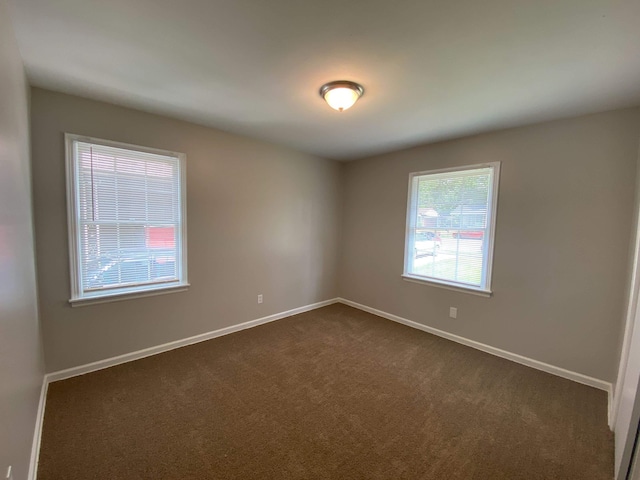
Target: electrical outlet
x: 9, y: 474
x: 260, y: 298
x: 453, y: 312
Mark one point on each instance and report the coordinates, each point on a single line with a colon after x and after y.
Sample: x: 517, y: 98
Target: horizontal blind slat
x: 450, y: 225
x: 129, y: 216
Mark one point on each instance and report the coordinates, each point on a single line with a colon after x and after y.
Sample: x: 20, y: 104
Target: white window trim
x: 484, y: 290
x: 77, y: 297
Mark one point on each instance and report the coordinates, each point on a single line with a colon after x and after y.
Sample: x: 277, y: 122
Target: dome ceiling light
x: 341, y: 94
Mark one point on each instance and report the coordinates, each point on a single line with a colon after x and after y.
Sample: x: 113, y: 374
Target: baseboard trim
x: 514, y: 357
x: 147, y: 352
x: 37, y: 434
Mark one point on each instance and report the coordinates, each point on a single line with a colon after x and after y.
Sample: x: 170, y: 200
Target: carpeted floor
x: 335, y: 393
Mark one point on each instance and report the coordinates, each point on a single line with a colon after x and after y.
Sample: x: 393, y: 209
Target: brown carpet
x: 335, y: 393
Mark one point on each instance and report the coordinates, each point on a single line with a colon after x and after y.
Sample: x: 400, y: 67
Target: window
x: 127, y: 219
x: 450, y: 226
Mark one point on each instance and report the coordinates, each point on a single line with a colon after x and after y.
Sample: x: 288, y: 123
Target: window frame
x: 78, y: 297
x: 488, y: 248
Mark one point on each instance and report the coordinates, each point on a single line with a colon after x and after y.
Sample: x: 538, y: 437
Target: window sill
x: 447, y: 286
x: 116, y: 297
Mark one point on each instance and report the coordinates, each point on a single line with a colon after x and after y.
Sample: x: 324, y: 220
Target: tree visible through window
x: 450, y: 225
x: 127, y: 218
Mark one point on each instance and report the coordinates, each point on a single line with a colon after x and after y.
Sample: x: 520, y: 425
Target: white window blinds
x: 127, y: 229
x: 450, y: 225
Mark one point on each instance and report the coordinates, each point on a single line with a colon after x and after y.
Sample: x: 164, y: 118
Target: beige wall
x: 21, y: 366
x: 265, y: 219
x: 261, y: 219
x: 562, y: 239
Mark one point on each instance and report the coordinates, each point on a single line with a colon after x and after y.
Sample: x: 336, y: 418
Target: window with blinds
x: 450, y: 226
x: 127, y: 221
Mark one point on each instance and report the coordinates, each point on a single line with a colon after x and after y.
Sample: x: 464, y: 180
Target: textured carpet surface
x: 335, y: 393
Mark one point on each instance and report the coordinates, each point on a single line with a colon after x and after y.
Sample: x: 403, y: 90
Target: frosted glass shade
x: 341, y: 95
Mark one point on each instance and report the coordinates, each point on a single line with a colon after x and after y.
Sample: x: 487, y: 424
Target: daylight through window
x: 127, y: 218
x: 450, y: 226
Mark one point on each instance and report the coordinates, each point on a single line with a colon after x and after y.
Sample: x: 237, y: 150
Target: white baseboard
x: 128, y: 357
x: 147, y: 352
x: 37, y: 434
x: 514, y: 357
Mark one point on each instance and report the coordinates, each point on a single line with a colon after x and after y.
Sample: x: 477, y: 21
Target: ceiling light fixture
x: 341, y: 94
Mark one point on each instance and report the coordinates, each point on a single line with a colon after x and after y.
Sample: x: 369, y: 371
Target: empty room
x: 338, y: 240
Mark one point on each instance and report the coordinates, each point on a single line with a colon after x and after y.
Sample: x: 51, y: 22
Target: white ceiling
x: 431, y: 69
